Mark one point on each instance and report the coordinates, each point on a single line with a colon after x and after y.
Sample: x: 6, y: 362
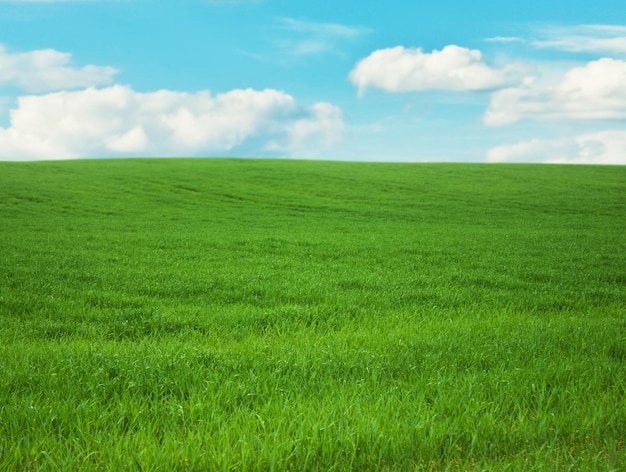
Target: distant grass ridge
x: 192, y: 314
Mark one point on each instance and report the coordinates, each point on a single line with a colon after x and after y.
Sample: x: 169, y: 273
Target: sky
x: 396, y: 81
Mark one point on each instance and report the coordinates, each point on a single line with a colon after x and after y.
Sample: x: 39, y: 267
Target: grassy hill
x: 271, y: 315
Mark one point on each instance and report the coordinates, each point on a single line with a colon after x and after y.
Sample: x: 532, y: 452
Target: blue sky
x: 480, y: 81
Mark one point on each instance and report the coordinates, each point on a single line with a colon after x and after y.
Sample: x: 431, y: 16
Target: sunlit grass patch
x: 255, y: 315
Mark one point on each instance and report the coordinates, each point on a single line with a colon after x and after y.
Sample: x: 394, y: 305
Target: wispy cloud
x: 604, y: 39
x: 599, y: 39
x: 505, y: 39
x: 232, y: 2
x: 50, y: 1
x: 323, y: 29
x: 309, y: 37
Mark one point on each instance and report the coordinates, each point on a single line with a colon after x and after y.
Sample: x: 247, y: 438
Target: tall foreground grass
x: 273, y: 315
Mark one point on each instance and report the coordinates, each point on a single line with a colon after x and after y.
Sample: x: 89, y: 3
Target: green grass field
x: 274, y: 315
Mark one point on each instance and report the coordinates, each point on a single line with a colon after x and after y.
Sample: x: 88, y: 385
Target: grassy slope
x: 258, y: 314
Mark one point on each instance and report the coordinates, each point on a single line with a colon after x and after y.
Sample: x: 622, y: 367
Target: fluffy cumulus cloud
x: 454, y: 68
x: 594, y: 91
x: 322, y: 128
x: 47, y: 69
x: 120, y: 121
x: 604, y: 147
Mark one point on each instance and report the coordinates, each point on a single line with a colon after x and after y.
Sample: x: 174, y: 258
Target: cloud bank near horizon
x: 592, y: 92
x: 120, y: 121
x: 69, y: 111
x: 604, y: 147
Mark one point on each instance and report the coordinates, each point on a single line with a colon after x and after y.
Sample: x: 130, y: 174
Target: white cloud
x: 311, y: 135
x: 46, y: 70
x: 309, y: 37
x: 453, y: 68
x: 604, y: 147
x: 322, y: 29
x: 133, y: 141
x: 594, y: 91
x: 602, y: 39
x: 505, y: 39
x: 598, y: 39
x: 120, y: 121
x: 48, y: 1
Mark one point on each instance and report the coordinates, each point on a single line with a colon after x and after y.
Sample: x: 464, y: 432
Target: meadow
x: 242, y: 314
